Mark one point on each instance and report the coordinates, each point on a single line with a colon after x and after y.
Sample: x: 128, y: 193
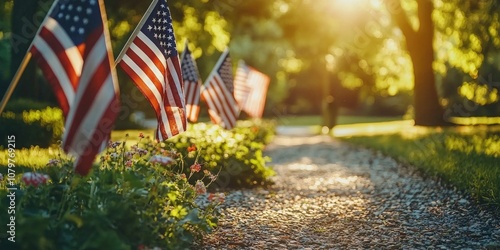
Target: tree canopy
x: 372, y: 47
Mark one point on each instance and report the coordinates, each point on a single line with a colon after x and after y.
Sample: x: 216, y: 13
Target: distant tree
x: 419, y: 44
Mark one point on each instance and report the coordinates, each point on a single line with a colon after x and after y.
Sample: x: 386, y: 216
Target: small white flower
x: 163, y: 160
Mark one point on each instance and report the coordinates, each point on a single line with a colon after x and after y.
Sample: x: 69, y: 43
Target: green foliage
x: 467, y: 161
x: 32, y: 123
x: 128, y: 202
x: 236, y: 155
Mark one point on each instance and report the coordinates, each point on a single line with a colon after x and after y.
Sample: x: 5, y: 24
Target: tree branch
x: 399, y: 15
x: 425, y: 8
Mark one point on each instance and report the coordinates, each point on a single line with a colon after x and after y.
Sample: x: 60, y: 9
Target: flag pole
x: 22, y: 66
x: 136, y: 31
x: 15, y: 81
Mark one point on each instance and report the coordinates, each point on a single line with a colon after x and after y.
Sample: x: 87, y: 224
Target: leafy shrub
x: 132, y: 200
x: 236, y: 155
x: 32, y: 123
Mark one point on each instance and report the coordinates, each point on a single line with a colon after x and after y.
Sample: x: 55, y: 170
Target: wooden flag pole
x: 136, y: 31
x: 22, y: 66
x: 15, y: 81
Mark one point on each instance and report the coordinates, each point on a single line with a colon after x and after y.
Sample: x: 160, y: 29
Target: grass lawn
x: 466, y: 157
x: 315, y: 120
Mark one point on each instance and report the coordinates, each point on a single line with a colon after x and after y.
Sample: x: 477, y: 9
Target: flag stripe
x: 148, y: 88
x: 192, y: 84
x: 221, y: 102
x: 152, y: 62
x: 75, y: 57
x: 223, y: 108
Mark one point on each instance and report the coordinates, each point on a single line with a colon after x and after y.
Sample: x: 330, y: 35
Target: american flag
x: 222, y: 106
x: 241, y: 88
x: 251, y: 89
x: 72, y: 48
x: 192, y: 83
x: 152, y: 61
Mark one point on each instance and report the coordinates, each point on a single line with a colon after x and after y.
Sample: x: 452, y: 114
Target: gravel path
x: 329, y: 195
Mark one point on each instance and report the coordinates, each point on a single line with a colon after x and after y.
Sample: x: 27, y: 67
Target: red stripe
x: 174, y: 90
x: 228, y: 98
x: 221, y: 97
x: 150, y: 54
x: 84, y: 163
x: 145, y: 68
x: 163, y: 125
x: 54, y: 83
x: 141, y: 86
x: 83, y: 106
x: 96, y: 82
x: 225, y: 104
x: 59, y: 50
x: 173, y: 86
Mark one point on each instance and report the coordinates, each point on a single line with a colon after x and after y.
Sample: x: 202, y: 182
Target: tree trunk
x: 428, y: 111
x: 419, y: 43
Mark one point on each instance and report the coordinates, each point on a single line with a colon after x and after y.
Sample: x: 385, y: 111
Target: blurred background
x: 430, y: 61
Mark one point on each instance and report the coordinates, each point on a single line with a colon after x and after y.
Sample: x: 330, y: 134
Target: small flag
x: 152, y: 61
x: 73, y: 50
x: 192, y: 83
x: 251, y: 89
x: 241, y: 88
x: 222, y: 106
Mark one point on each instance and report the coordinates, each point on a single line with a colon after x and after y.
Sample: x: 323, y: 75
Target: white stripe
x: 56, y: 66
x: 153, y: 47
x: 92, y: 118
x: 92, y: 62
x: 145, y: 78
x: 147, y: 60
x: 73, y: 54
x: 149, y: 84
x: 171, y: 99
x: 207, y: 92
x: 224, y: 100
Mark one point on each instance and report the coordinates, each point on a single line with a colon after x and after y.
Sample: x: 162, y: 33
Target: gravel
x: 330, y: 195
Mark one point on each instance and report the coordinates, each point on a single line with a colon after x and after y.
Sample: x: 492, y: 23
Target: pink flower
x: 199, y: 187
x: 141, y: 135
x: 195, y: 168
x: 218, y: 197
x: 163, y: 160
x: 141, y: 151
x: 35, y: 179
x: 128, y: 163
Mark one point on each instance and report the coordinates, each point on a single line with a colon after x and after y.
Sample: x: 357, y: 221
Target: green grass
x: 315, y: 120
x: 466, y: 157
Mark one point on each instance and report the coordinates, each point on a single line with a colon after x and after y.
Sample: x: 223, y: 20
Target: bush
x: 235, y: 155
x: 132, y: 200
x: 32, y: 123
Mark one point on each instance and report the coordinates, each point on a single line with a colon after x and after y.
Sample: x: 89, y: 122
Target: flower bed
x: 140, y: 196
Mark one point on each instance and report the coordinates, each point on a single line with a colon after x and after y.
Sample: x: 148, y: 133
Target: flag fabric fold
x: 250, y: 90
x: 217, y: 93
x: 152, y: 61
x: 73, y: 50
x: 192, y: 84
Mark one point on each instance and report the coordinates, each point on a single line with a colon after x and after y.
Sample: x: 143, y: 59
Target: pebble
x: 331, y: 195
